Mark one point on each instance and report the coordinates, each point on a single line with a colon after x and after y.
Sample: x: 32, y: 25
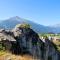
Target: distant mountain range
x: 13, y: 21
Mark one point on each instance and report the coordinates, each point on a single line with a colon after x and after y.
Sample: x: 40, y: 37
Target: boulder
x: 23, y: 40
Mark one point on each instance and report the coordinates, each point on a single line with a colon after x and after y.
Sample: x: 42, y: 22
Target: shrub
x: 2, y: 47
x: 23, y: 25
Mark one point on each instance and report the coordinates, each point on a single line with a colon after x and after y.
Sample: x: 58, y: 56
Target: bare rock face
x: 26, y: 39
x: 6, y: 38
x: 23, y: 40
x: 50, y: 50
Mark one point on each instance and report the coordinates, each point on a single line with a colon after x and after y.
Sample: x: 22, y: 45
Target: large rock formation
x: 23, y: 40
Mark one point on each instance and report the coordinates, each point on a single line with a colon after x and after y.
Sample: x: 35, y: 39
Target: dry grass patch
x: 9, y: 56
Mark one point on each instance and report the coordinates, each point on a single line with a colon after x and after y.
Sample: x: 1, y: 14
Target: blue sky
x: 45, y: 12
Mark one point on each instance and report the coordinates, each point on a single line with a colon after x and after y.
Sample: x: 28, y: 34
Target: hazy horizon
x: 45, y: 12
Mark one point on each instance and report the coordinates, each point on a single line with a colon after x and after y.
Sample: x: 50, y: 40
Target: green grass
x: 52, y: 35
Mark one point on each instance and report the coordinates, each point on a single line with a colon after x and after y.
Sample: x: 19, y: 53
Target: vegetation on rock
x: 23, y: 25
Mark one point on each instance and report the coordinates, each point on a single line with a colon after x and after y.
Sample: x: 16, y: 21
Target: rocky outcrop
x: 22, y: 39
x: 50, y: 50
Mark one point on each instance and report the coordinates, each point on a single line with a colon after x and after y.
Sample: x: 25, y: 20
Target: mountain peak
x: 15, y: 17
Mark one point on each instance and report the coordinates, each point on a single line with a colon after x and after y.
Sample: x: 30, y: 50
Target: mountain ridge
x: 13, y: 21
